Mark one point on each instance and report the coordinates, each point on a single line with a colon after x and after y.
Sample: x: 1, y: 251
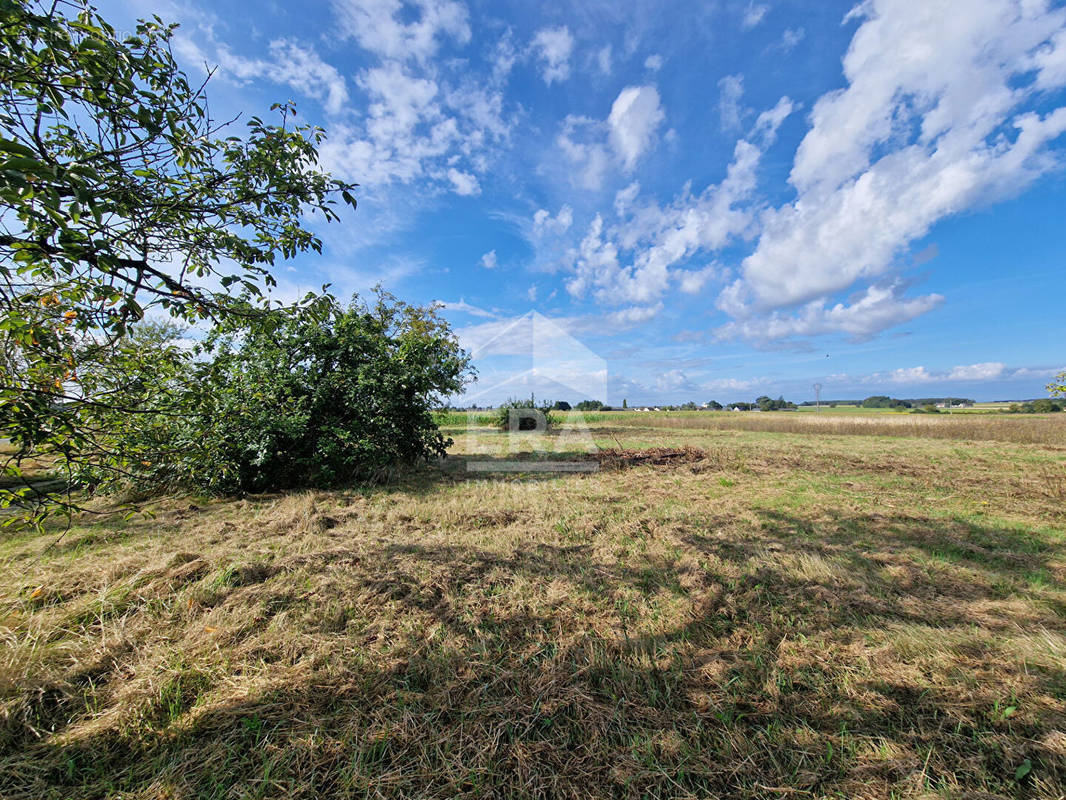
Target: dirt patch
x: 618, y: 458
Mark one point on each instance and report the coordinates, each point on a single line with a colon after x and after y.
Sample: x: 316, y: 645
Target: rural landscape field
x: 432, y: 399
x: 719, y: 611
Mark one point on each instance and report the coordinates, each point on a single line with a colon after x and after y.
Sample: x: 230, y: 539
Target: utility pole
x: 817, y: 397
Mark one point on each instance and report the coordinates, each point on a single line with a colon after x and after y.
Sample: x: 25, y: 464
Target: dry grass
x: 771, y: 615
x: 1048, y: 429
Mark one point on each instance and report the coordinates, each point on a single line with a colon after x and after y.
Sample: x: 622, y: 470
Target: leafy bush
x: 309, y: 398
x: 1058, y: 385
x: 1041, y: 406
x: 527, y: 414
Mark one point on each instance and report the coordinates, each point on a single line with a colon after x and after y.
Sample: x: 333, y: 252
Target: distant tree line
x: 1041, y: 406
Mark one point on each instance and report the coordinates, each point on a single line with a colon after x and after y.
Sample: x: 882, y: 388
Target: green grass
x: 788, y: 614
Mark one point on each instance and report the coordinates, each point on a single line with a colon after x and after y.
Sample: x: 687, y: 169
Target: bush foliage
x: 526, y: 414
x: 306, y: 399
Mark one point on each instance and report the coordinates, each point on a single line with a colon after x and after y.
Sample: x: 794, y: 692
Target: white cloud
x: 504, y: 57
x: 730, y: 111
x: 581, y: 142
x: 465, y: 184
x: 603, y: 60
x: 291, y: 63
x: 634, y: 315
x: 792, y: 37
x: 378, y: 26
x: 466, y: 308
x: 634, y: 117
x: 544, y: 224
x: 654, y: 62
x: 554, y: 46
x: 626, y: 135
x: 488, y: 261
x: 768, y: 122
x: 1049, y: 61
x: 928, y: 126
x: 754, y: 14
x: 624, y: 198
x: 531, y: 293
x: 693, y: 281
x: 874, y: 310
x: 662, y: 238
x: 968, y: 373
x: 987, y: 371
x: 418, y: 128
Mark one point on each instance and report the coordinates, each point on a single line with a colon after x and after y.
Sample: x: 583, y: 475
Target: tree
x: 590, y: 405
x: 1044, y: 406
x: 121, y: 196
x: 310, y: 400
x: 525, y: 415
x: 561, y: 405
x: 1057, y: 387
x: 714, y: 405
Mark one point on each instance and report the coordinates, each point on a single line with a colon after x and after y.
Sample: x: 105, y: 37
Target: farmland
x: 803, y: 605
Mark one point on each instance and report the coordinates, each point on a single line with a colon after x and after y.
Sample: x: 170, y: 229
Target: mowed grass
x: 789, y: 615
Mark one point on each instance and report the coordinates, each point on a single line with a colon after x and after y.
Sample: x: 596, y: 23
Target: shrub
x: 526, y: 413
x: 306, y: 398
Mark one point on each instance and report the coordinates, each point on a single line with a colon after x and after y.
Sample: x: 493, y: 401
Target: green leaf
x: 1023, y: 769
x: 9, y: 146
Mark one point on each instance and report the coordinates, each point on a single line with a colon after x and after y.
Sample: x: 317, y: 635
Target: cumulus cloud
x: 753, y: 14
x: 379, y: 27
x: 464, y: 183
x: 693, y: 281
x: 488, y: 261
x: 654, y: 62
x: 930, y: 124
x: 662, y: 238
x: 418, y: 127
x: 544, y: 224
x: 554, y: 47
x: 730, y: 111
x: 581, y: 142
x: 291, y: 63
x: 873, y: 310
x: 635, y: 114
x: 426, y: 119
x: 628, y: 133
x: 989, y: 371
x: 634, y: 315
x: 977, y: 372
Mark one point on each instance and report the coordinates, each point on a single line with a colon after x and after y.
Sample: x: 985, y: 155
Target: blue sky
x: 720, y: 200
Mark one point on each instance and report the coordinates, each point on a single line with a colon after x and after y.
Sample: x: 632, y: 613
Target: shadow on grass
x: 780, y: 679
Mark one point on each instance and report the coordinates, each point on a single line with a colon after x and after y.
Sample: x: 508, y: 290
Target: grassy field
x: 823, y: 611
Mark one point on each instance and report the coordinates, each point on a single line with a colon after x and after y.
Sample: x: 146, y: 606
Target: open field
x: 854, y: 608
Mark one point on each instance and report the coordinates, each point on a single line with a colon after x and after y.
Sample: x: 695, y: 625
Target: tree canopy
x: 120, y: 197
x: 1057, y: 387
